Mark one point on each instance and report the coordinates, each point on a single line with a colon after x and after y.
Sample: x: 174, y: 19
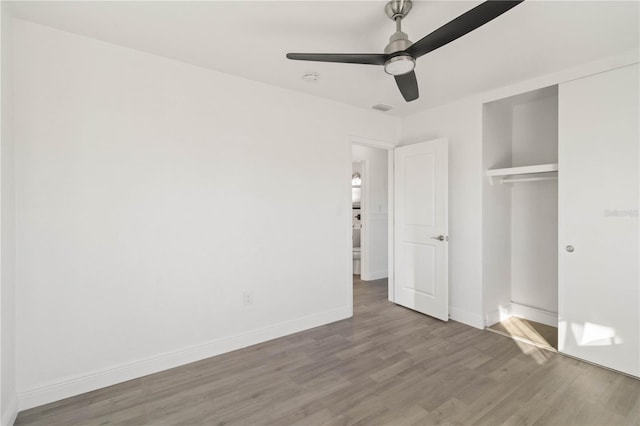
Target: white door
x: 420, y: 228
x: 599, y: 187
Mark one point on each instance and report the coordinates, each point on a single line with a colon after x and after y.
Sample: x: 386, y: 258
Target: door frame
x: 388, y: 146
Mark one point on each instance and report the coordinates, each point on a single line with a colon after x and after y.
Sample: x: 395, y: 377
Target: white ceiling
x: 250, y: 39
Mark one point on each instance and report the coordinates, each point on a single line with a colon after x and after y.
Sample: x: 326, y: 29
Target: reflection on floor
x: 541, y: 335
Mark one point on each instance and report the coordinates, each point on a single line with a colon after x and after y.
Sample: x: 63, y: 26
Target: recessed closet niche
x: 520, y: 215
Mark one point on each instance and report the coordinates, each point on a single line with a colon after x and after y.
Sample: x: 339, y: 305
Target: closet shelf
x: 525, y: 170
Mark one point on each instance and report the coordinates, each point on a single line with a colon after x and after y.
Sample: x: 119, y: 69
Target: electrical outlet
x: 247, y: 298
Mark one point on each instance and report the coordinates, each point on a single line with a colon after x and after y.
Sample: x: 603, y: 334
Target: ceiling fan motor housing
x: 398, y: 42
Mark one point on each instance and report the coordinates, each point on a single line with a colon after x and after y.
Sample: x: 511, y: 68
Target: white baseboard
x: 376, y: 275
x: 88, y: 382
x: 534, y: 314
x: 10, y: 412
x: 466, y: 317
x: 498, y: 315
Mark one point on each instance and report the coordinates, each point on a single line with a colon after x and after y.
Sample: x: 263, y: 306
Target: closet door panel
x: 599, y: 187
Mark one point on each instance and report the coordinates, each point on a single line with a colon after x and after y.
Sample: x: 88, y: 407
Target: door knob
x: 439, y: 238
x: 570, y: 249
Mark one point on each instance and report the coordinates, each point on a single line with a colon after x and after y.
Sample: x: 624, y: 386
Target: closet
x: 561, y: 231
x: 520, y: 211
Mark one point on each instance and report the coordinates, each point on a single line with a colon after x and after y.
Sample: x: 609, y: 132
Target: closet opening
x: 520, y: 217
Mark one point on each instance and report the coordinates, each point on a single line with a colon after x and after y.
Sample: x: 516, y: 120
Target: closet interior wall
x: 520, y: 220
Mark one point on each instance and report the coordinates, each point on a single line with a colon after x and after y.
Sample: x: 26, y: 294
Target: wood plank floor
x: 386, y: 365
x: 528, y: 331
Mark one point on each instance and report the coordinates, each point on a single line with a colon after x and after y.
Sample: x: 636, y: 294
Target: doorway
x: 369, y: 213
x: 403, y: 222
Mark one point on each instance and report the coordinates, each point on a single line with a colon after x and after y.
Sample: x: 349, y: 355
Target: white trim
x: 10, y: 412
x: 534, y: 314
x: 497, y: 315
x: 491, y: 318
x: 374, y: 275
x: 365, y: 248
x: 466, y: 317
x: 72, y: 386
x: 390, y: 226
x: 373, y: 143
x: 348, y: 224
x: 521, y: 311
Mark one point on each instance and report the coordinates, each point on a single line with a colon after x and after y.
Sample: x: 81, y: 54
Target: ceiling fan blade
x: 345, y: 58
x: 460, y: 26
x: 408, y: 85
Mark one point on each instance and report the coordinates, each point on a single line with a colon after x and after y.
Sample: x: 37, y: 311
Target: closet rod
x: 531, y: 179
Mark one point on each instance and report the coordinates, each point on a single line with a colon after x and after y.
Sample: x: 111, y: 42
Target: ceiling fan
x: 399, y: 57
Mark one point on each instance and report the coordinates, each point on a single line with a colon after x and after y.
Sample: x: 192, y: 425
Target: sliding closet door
x: 599, y: 186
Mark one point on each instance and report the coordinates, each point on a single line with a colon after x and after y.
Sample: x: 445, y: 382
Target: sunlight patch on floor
x: 533, y: 339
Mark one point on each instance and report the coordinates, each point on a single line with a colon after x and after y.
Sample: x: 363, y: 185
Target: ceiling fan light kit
x: 399, y: 57
x: 399, y: 65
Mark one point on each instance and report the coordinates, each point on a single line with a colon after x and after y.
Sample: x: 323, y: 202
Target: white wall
x: 461, y: 123
x: 150, y: 194
x: 497, y: 135
x: 8, y: 402
x: 534, y: 207
x: 375, y: 224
